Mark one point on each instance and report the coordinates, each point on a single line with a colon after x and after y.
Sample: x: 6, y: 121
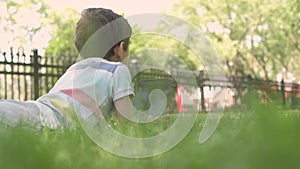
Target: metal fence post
x: 283, y: 91
x: 35, y: 73
x: 201, y: 85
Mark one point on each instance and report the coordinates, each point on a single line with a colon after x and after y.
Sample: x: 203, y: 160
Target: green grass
x: 261, y: 136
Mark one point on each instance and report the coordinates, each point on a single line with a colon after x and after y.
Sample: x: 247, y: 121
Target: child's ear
x: 123, y: 46
x: 119, y: 49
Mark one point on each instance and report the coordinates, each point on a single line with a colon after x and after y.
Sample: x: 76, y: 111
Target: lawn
x: 260, y: 136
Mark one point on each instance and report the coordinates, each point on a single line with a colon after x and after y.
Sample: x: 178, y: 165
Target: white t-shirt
x: 87, y: 85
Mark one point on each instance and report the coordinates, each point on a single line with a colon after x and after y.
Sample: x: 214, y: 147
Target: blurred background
x: 255, y: 40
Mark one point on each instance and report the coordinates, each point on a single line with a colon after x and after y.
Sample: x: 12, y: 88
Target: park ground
x: 260, y: 136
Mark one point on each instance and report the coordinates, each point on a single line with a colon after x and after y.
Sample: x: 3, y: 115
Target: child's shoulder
x: 98, y: 64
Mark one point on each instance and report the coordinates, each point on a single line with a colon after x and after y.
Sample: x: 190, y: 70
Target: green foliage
x: 155, y: 48
x: 46, y: 24
x: 22, y: 20
x: 62, y: 42
x: 258, y: 37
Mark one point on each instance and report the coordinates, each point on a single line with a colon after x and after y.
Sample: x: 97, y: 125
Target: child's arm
x: 124, y: 107
x: 158, y: 102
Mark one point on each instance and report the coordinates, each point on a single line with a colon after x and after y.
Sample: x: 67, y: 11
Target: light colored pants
x: 32, y: 113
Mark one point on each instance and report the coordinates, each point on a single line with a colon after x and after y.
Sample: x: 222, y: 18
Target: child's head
x: 91, y: 21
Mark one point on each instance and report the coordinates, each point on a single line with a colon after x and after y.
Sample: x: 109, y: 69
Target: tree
x: 62, y: 42
x: 157, y: 48
x: 258, y: 37
x: 24, y: 23
x: 34, y: 24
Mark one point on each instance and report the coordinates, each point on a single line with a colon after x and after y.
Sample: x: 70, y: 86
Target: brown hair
x: 92, y: 19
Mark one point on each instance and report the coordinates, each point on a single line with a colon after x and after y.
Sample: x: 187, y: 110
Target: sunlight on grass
x: 261, y: 136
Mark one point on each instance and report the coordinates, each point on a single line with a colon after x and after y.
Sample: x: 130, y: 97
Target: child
x: 98, y: 80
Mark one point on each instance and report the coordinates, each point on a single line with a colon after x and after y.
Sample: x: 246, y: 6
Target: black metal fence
x: 26, y: 77
x: 231, y: 89
x: 284, y: 93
